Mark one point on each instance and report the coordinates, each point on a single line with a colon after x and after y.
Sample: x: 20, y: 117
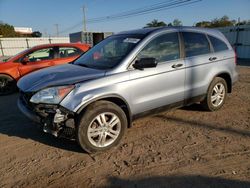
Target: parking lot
x: 187, y: 147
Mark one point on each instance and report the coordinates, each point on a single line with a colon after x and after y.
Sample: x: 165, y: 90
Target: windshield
x: 15, y: 56
x: 110, y: 52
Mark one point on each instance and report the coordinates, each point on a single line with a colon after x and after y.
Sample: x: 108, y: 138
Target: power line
x: 130, y: 13
x: 147, y: 11
x: 137, y: 12
x: 140, y: 10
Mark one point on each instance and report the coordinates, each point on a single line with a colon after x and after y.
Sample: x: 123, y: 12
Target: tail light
x: 235, y: 56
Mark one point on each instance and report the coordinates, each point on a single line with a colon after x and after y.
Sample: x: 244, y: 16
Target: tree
x: 203, y: 24
x: 155, y: 23
x: 177, y: 22
x: 217, y: 22
x: 222, y: 22
x: 7, y: 30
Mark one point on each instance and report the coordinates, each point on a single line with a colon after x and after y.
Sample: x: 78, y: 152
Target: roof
x: 60, y: 44
x: 146, y: 31
x: 143, y: 31
x: 82, y: 46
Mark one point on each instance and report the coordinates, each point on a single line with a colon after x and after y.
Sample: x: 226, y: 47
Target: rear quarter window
x: 218, y: 44
x: 195, y: 44
x: 69, y: 52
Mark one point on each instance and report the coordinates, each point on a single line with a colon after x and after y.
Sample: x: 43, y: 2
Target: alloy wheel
x: 104, y: 129
x: 218, y: 95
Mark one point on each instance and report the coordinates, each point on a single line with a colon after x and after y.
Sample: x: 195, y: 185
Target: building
x: 91, y: 38
x: 23, y: 30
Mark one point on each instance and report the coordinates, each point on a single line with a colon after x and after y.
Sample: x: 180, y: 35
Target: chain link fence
x: 12, y: 46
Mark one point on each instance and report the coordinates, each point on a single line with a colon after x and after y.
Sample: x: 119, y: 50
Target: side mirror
x: 145, y: 63
x: 25, y: 60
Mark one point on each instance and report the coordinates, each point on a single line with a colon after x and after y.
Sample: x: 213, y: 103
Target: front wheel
x: 216, y: 95
x: 7, y: 85
x: 101, y: 126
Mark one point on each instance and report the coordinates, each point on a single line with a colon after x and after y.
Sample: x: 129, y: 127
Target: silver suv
x: 126, y: 76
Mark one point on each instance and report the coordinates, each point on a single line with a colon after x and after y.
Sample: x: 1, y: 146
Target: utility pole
x: 84, y: 18
x: 45, y: 33
x: 57, y: 30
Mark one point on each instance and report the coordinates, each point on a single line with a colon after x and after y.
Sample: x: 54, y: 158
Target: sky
x: 42, y: 15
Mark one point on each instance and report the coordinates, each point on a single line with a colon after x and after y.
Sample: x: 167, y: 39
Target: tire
x: 215, y: 100
x: 101, y: 126
x: 7, y: 85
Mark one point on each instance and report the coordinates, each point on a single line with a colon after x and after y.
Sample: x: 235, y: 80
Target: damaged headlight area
x: 53, y: 95
x: 56, y: 120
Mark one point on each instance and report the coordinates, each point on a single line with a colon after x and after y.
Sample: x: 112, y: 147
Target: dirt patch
x: 187, y: 147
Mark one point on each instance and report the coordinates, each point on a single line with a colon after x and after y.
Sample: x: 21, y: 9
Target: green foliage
x: 203, y: 24
x: 177, y: 22
x: 7, y: 30
x: 224, y: 21
x: 221, y: 22
x: 155, y: 23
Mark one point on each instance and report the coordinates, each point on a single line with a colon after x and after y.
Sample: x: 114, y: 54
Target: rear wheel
x: 101, y: 126
x: 7, y: 85
x: 216, y: 95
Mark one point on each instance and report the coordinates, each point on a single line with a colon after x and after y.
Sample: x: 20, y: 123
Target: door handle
x: 177, y: 65
x: 212, y: 58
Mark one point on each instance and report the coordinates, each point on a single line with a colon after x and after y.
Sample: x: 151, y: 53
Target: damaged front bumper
x: 27, y: 112
x: 55, y: 119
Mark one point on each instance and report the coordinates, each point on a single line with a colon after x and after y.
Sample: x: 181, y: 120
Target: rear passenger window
x: 162, y: 48
x: 218, y: 45
x: 195, y: 44
x: 68, y: 52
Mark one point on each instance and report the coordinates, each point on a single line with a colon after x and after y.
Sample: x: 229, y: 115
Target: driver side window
x: 162, y: 48
x: 41, y: 54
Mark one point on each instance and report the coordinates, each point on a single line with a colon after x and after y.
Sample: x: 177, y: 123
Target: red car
x: 35, y: 58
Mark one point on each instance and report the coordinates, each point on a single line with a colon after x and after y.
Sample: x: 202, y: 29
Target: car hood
x: 56, y: 76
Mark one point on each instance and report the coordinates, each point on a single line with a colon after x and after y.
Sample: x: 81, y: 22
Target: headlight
x: 52, y: 95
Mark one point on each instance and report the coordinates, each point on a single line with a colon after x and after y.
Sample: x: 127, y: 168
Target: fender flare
x: 103, y: 97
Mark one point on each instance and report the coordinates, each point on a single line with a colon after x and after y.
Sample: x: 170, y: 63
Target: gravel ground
x: 187, y: 147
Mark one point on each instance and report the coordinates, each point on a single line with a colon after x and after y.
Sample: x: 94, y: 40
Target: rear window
x: 195, y: 44
x: 218, y: 44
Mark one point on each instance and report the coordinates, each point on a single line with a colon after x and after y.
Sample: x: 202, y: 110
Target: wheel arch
x: 116, y: 99
x: 226, y: 76
x: 5, y: 74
